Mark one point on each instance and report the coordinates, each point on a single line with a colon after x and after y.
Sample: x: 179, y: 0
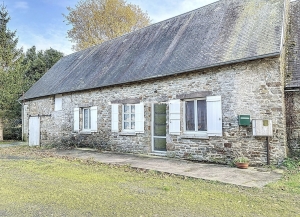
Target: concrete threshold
x: 250, y: 177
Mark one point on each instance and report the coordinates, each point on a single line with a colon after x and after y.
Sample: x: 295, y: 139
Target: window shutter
x: 139, y: 118
x: 115, y: 118
x: 76, y: 119
x: 174, y: 117
x: 58, y: 102
x: 214, y: 116
x: 94, y: 119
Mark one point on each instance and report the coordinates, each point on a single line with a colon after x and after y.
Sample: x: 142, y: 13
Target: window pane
x: 89, y: 118
x: 86, y: 118
x: 132, y: 117
x: 190, y: 116
x: 126, y: 126
x: 132, y: 109
x: 201, y: 112
x: 126, y: 109
x: 126, y: 117
x: 160, y: 119
x: 132, y: 125
x: 160, y: 144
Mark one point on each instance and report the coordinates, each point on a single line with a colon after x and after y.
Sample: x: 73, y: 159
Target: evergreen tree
x: 38, y: 63
x: 9, y: 53
x: 11, y: 71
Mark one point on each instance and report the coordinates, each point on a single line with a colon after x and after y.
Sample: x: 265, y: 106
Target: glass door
x: 159, y: 127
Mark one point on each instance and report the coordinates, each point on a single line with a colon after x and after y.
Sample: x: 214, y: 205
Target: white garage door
x: 34, y: 131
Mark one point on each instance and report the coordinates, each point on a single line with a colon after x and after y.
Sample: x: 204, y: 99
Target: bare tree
x: 96, y: 21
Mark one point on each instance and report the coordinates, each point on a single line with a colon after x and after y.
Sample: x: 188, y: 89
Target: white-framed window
x: 58, y: 102
x: 201, y: 116
x: 86, y: 114
x: 85, y: 119
x: 132, y: 118
x: 195, y: 116
x: 128, y: 117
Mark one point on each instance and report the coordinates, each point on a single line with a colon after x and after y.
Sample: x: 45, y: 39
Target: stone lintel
x: 199, y: 94
x: 126, y: 101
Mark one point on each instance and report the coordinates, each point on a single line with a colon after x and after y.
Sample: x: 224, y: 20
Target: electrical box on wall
x: 262, y: 127
x: 244, y: 120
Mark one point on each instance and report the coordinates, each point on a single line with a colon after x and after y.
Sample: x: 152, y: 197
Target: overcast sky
x: 40, y: 22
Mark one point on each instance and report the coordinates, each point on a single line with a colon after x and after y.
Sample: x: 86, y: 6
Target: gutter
x: 292, y: 90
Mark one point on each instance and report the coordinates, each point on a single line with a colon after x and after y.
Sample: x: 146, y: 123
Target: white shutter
x: 174, y: 117
x: 76, y: 119
x: 139, y: 118
x: 58, y: 102
x: 115, y: 118
x: 94, y: 119
x: 214, y: 116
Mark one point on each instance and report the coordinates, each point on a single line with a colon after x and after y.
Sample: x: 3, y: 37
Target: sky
x: 41, y: 23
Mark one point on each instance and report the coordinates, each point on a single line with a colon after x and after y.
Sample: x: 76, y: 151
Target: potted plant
x: 241, y: 162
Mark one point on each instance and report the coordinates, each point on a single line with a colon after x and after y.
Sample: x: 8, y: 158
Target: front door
x: 159, y: 127
x: 34, y: 131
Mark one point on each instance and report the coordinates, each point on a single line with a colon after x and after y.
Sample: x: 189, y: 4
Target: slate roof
x: 224, y: 32
x: 293, y: 70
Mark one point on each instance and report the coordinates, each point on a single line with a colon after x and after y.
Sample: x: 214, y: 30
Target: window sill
x: 85, y: 132
x: 127, y: 134
x: 193, y: 136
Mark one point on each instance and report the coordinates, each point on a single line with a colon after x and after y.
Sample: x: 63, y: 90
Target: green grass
x: 7, y: 142
x: 34, y: 183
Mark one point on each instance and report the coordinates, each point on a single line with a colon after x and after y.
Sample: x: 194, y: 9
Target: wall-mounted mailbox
x: 244, y: 120
x: 262, y: 127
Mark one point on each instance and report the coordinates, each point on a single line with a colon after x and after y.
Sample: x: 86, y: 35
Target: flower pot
x: 242, y: 165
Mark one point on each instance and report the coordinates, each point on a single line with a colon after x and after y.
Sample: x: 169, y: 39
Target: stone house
x: 180, y: 87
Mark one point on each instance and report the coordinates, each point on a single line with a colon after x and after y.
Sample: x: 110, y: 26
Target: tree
x: 96, y: 21
x: 17, y: 73
x: 9, y: 53
x: 38, y: 63
x: 11, y: 73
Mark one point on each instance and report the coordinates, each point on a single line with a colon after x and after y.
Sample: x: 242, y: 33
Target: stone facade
x: 1, y: 130
x: 293, y: 119
x: 255, y: 88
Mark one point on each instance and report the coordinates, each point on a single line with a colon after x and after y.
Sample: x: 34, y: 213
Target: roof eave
x: 164, y: 75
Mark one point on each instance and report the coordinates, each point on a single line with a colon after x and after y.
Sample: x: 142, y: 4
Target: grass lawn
x: 39, y: 184
x: 7, y: 142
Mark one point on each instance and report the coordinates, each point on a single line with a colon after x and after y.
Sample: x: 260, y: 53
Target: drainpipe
x: 22, y: 116
x: 268, y: 151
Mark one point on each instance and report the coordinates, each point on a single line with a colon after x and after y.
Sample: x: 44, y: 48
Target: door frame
x: 152, y: 131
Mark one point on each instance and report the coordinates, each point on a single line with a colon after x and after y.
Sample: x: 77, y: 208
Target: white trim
x: 123, y: 129
x: 94, y: 119
x: 114, y: 117
x: 195, y: 133
x: 89, y: 119
x: 139, y: 118
x: 58, y: 102
x: 174, y: 115
x: 214, y: 116
x: 76, y: 120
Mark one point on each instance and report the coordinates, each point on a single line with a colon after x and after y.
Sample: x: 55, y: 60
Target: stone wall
x: 1, y: 130
x: 293, y: 119
x: 253, y: 87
